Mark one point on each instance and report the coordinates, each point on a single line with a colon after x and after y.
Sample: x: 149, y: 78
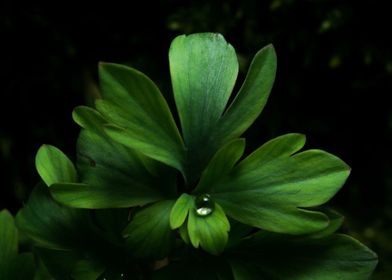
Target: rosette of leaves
x: 193, y: 200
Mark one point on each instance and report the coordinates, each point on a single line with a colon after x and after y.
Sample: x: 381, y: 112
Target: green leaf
x: 10, y: 262
x: 98, y: 197
x: 52, y: 225
x: 220, y: 165
x: 252, y: 96
x: 54, y: 166
x: 87, y: 270
x: 89, y: 118
x: 149, y: 234
x: 113, y: 176
x: 277, y: 256
x: 269, y: 194
x: 8, y: 242
x: 142, y: 118
x: 210, y: 232
x: 281, y: 146
x: 180, y: 210
x: 335, y: 222
x: 203, y: 69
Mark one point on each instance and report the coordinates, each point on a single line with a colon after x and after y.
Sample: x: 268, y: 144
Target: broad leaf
x: 210, y: 232
x: 10, y: 262
x: 203, y: 69
x: 52, y: 225
x: 276, y: 256
x: 141, y: 115
x: 149, y: 234
x: 269, y: 194
x: 113, y: 176
x: 54, y: 166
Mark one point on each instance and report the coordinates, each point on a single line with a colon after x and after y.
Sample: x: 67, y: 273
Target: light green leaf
x: 52, y: 225
x: 180, y: 210
x: 203, y: 69
x: 210, y: 232
x: 113, y: 176
x: 89, y: 118
x: 99, y: 196
x: 54, y: 166
x: 142, y: 118
x: 282, y: 146
x: 269, y: 194
x: 149, y: 234
x: 276, y: 256
x: 252, y: 96
x: 220, y: 165
x: 335, y: 222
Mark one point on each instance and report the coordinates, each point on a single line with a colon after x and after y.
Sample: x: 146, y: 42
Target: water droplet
x: 204, y: 205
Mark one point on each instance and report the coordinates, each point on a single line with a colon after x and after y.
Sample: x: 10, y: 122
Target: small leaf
x: 210, y: 232
x: 277, y: 256
x: 149, y: 234
x: 89, y: 118
x: 335, y: 222
x: 142, y: 118
x: 180, y: 210
x: 220, y: 165
x: 54, y: 166
x: 252, y: 96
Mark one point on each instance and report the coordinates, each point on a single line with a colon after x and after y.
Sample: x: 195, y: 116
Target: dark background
x: 333, y: 84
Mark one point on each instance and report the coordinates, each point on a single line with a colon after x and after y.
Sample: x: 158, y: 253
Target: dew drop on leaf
x: 204, y: 205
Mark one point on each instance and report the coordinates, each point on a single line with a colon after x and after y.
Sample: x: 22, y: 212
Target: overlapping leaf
x: 276, y: 256
x: 10, y: 260
x: 270, y: 187
x: 111, y: 174
x: 141, y: 116
x: 204, y: 70
x: 52, y: 225
x: 149, y: 234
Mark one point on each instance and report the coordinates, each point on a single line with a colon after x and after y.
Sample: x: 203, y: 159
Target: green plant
x: 148, y: 202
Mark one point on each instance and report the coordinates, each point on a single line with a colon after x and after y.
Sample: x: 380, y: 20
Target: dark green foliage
x: 147, y: 202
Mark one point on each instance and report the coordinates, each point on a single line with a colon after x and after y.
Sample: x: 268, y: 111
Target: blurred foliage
x: 333, y: 83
